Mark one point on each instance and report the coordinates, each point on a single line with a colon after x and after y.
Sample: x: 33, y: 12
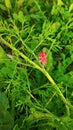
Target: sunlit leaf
x: 8, y: 4
x: 60, y: 2
x: 71, y: 7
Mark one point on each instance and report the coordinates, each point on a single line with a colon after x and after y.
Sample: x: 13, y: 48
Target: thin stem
x: 40, y: 69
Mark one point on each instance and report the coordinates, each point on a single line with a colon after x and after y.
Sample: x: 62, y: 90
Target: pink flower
x: 43, y: 58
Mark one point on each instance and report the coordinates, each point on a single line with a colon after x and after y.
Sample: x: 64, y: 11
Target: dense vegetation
x: 36, y: 64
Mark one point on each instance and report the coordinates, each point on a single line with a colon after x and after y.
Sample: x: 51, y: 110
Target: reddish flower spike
x: 43, y: 58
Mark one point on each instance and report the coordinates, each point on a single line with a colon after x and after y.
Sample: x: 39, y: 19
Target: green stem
x: 40, y: 69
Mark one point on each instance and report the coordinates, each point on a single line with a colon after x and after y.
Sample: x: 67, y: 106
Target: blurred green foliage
x: 27, y: 99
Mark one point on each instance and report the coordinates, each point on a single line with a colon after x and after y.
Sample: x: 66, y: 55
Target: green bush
x: 36, y: 65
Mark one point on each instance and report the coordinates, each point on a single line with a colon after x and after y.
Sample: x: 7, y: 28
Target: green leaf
x: 6, y: 121
x: 21, y: 17
x: 55, y: 26
x: 4, y: 100
x: 71, y: 7
x: 19, y: 3
x: 8, y: 4
x: 3, y: 55
x: 15, y: 16
x: 60, y: 2
x: 2, y: 7
x: 16, y: 127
